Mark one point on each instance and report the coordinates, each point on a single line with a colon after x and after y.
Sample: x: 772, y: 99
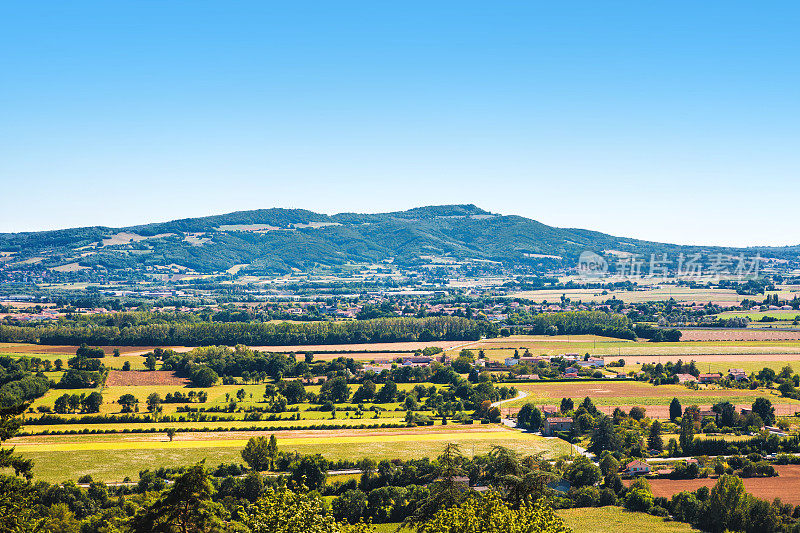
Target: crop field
x: 785, y: 486
x: 777, y: 314
x: 680, y: 294
x: 118, y: 378
x: 630, y: 393
x: 617, y: 520
x: 111, y: 458
x: 750, y: 334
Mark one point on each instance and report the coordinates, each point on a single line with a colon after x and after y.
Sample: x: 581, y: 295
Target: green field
x: 112, y: 457
x: 617, y: 520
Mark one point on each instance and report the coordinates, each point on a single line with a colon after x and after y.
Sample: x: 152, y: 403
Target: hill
x: 269, y: 241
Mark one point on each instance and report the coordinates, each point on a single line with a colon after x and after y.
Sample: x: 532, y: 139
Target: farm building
x: 528, y: 377
x: 685, y: 378
x: 737, y: 374
x: 709, y: 378
x: 554, y: 424
x: 592, y: 362
x: 417, y: 361
x: 635, y: 468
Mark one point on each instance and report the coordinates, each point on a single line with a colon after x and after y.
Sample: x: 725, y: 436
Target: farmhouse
x: 635, y: 468
x: 554, y: 424
x: 685, y: 378
x: 709, y: 378
x: 417, y: 361
x: 592, y: 362
x: 737, y: 374
x: 528, y: 377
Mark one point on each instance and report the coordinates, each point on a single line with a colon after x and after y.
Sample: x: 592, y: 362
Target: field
x: 750, y: 334
x: 118, y: 378
x: 113, y: 457
x: 617, y: 520
x: 680, y: 294
x: 785, y: 486
x: 629, y: 393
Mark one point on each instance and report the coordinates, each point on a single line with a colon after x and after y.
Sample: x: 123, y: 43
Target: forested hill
x: 277, y: 240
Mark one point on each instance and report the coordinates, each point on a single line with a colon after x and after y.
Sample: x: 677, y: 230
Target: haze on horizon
x: 672, y: 123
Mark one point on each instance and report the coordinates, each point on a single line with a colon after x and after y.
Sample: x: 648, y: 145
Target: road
x: 509, y: 422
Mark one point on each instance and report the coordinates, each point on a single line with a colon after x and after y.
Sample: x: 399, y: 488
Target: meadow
x: 112, y: 458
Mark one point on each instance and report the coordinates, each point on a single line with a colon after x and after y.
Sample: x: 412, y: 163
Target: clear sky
x: 673, y: 121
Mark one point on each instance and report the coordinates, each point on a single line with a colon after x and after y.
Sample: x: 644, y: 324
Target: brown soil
x: 119, y: 378
x: 785, y: 486
x: 70, y: 350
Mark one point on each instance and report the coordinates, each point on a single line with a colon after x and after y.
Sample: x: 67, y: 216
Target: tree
x: 605, y: 437
x: 654, y: 440
x: 639, y: 496
x: 726, y: 412
x: 365, y: 392
x: 638, y: 413
x: 311, y: 471
x: 150, y: 362
x: 387, y: 393
x: 92, y: 402
x: 444, y: 493
x: 675, y: 409
x: 128, y: 402
x: 256, y: 453
x: 335, y: 390
x: 186, y: 507
x: 566, y: 405
x: 295, y: 392
x: 285, y: 511
x: 204, y: 376
x: 350, y: 506
x: 763, y: 408
x: 61, y: 405
x: 171, y: 433
x: 489, y: 514
x: 608, y: 464
x: 686, y: 438
x: 726, y: 504
x: 153, y: 402
x: 583, y: 472
x: 529, y: 417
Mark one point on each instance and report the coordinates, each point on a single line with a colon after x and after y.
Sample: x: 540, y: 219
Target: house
x: 417, y: 361
x: 592, y: 362
x: 776, y: 431
x: 570, y: 374
x: 708, y: 413
x: 737, y: 374
x: 511, y: 361
x: 636, y: 468
x: 528, y: 377
x: 709, y: 378
x: 685, y: 378
x: 557, y: 423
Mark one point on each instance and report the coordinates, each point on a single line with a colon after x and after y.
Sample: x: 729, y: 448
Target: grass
x: 112, y: 461
x: 617, y: 520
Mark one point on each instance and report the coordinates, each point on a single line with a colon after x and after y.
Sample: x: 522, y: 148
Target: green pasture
x: 126, y: 458
x: 613, y: 519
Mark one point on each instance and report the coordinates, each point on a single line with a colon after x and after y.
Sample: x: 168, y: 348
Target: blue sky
x: 673, y: 121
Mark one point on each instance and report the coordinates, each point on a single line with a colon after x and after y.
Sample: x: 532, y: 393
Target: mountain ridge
x: 279, y: 240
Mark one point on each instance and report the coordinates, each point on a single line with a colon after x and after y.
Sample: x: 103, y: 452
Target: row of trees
x: 253, y: 333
